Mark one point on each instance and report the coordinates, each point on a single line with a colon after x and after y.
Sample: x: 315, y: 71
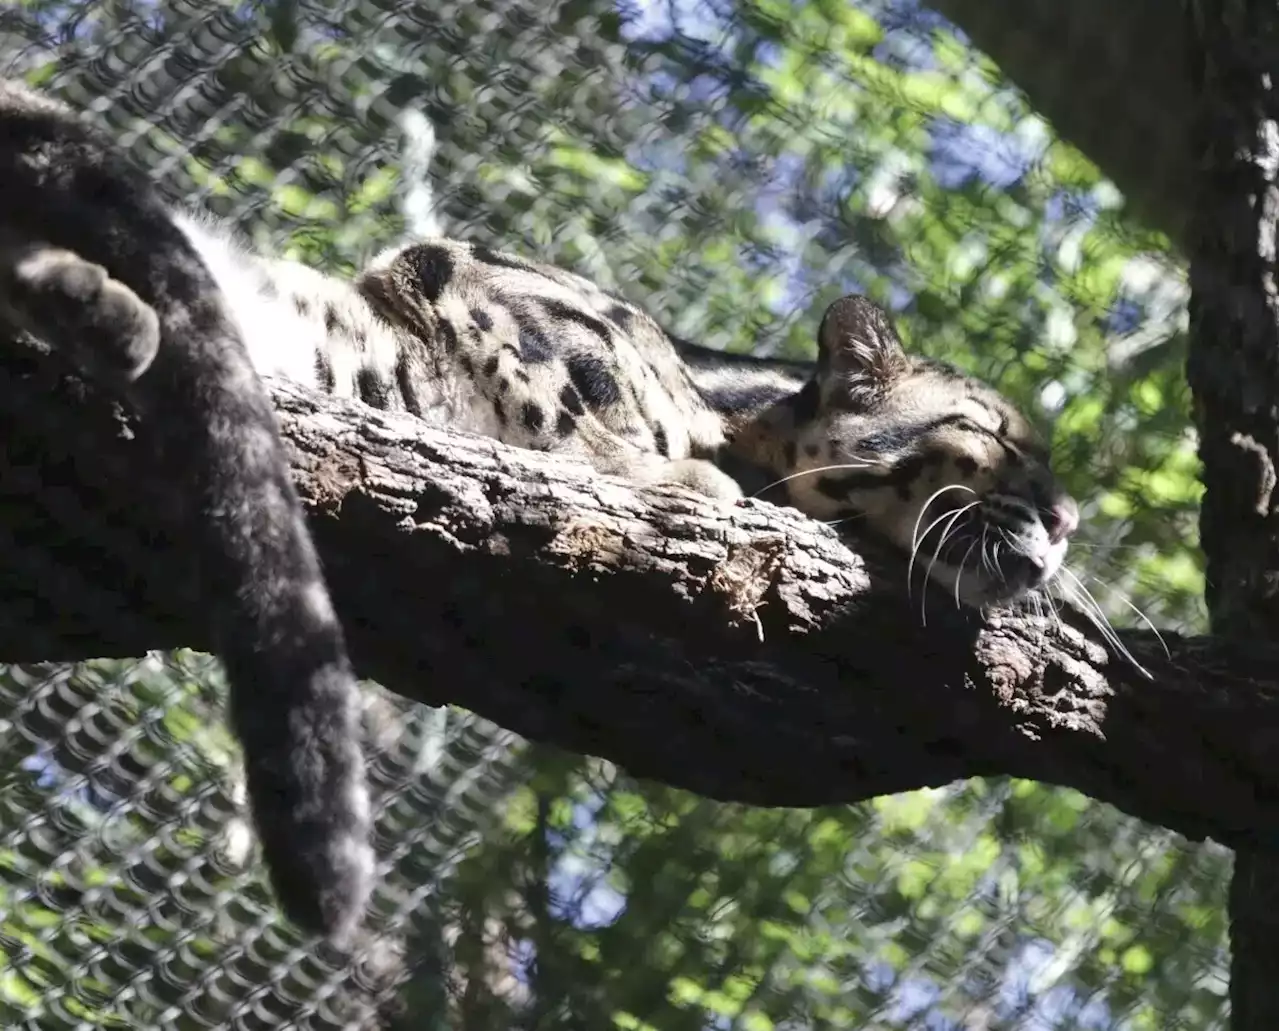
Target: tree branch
x: 744, y: 653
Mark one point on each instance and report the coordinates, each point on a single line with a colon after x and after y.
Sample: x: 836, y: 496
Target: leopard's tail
x: 294, y: 700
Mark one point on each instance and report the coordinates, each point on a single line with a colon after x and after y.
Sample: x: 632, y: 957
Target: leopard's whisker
x: 929, y: 501
x: 819, y: 469
x: 919, y: 539
x: 1137, y: 611
x: 960, y: 571
x: 942, y: 540
x: 844, y: 519
x: 1094, y: 613
x: 1037, y: 607
x: 1053, y: 606
x: 916, y: 537
x: 982, y: 553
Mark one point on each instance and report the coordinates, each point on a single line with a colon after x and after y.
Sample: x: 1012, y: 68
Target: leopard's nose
x: 1062, y: 519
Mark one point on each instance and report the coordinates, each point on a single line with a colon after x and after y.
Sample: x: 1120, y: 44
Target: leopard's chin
x: 1016, y: 579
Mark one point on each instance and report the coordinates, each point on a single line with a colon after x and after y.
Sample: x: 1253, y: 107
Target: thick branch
x: 744, y: 653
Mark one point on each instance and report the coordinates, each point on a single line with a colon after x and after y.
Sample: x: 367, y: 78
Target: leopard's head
x: 933, y: 459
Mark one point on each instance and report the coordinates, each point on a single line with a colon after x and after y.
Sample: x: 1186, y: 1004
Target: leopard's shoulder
x: 552, y: 361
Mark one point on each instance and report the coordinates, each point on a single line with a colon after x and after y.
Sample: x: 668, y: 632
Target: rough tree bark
x: 742, y: 652
x: 1232, y: 370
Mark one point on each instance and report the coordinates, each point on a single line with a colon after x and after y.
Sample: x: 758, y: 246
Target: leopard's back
x: 557, y: 363
x: 537, y: 357
x: 470, y: 339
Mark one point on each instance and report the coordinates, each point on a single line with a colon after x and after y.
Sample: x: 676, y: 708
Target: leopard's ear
x: 859, y: 353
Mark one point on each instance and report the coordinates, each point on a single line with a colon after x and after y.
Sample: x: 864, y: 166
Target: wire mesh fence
x: 731, y: 166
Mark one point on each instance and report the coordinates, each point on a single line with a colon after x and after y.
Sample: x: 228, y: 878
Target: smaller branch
x: 742, y: 652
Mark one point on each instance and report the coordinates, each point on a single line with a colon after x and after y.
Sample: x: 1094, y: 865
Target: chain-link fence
x: 732, y: 166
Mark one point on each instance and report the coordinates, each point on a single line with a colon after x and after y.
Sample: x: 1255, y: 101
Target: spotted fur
x: 470, y: 338
x: 95, y: 268
x: 938, y: 462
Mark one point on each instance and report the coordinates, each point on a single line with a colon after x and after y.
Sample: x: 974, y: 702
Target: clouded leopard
x: 477, y: 340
